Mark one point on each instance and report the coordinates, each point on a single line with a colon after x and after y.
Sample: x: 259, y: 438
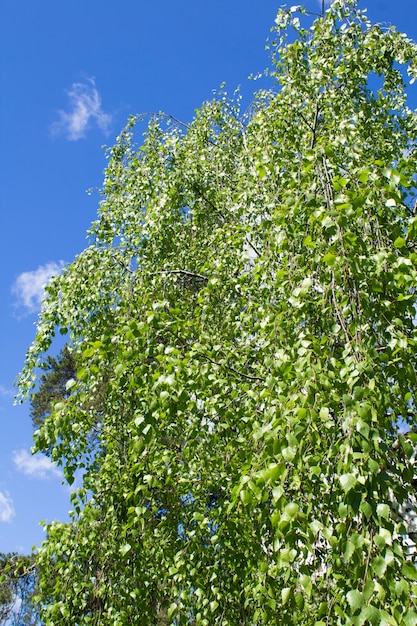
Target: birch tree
x: 246, y: 310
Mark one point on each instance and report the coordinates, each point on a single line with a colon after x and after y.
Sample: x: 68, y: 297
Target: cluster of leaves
x: 245, y: 314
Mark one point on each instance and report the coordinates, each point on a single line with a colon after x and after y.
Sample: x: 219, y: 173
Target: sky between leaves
x: 71, y: 74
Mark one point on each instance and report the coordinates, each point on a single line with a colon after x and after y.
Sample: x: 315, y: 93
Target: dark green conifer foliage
x: 52, y: 385
x: 18, y: 585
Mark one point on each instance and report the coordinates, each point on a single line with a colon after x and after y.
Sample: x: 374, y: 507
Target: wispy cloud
x: 85, y: 110
x: 6, y: 395
x: 29, y: 287
x: 5, y: 392
x: 6, y: 507
x: 38, y: 466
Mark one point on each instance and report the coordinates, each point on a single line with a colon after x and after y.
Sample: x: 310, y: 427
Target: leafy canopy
x: 246, y: 310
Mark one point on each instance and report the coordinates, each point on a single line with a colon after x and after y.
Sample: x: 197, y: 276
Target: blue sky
x: 71, y: 73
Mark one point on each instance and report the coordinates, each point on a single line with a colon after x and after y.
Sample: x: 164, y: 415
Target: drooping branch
x: 256, y: 251
x: 209, y: 202
x: 232, y: 369
x: 314, y: 127
x: 185, y: 273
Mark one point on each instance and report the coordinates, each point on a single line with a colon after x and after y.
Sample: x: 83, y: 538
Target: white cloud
x: 5, y: 395
x: 6, y: 507
x: 5, y: 392
x: 29, y: 287
x: 86, y: 108
x: 39, y: 466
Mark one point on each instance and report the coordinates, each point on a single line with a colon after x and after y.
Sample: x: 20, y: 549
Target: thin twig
x: 184, y: 273
x: 305, y: 120
x: 209, y: 202
x: 339, y: 315
x: 232, y: 369
x: 127, y: 269
x: 314, y: 128
x: 248, y: 241
x: 368, y: 558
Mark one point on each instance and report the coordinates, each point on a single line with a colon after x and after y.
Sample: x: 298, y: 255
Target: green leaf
x: 355, y: 599
x: 339, y: 182
x: 364, y: 176
x: 291, y: 510
x: 70, y: 384
x: 261, y: 170
x: 366, y: 509
x: 410, y: 617
x: 348, y: 481
x: 273, y: 472
x: 119, y: 369
x: 372, y: 614
x: 125, y: 548
x: 329, y: 258
x: 348, y: 551
x: 379, y: 566
x: 409, y: 570
x: 289, y: 453
x: 383, y: 510
x: 399, y: 242
x: 306, y: 583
